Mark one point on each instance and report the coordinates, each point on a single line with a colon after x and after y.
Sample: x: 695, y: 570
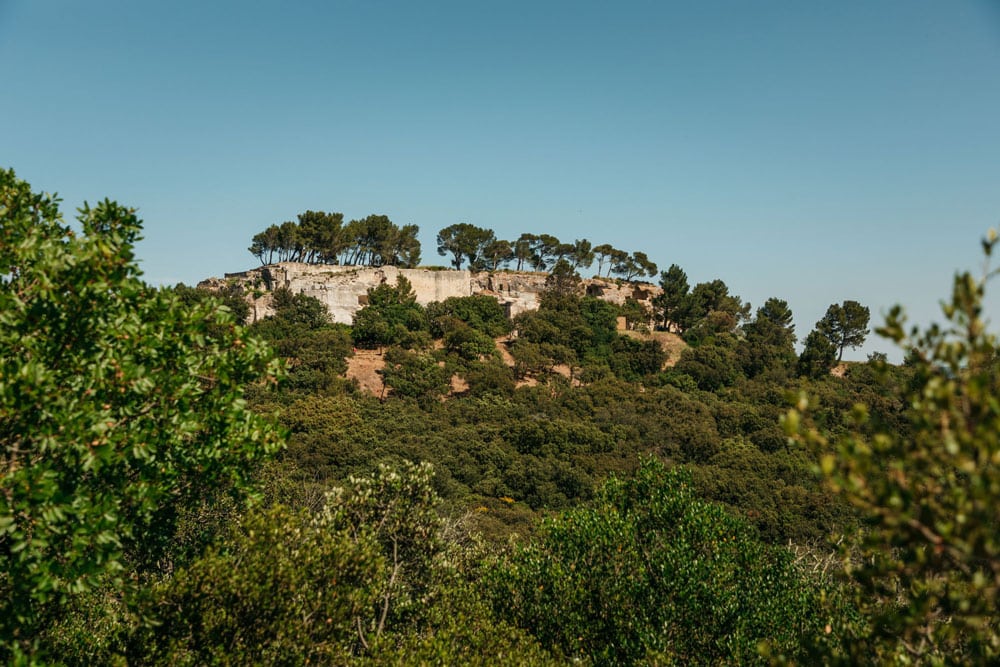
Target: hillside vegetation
x: 178, y: 488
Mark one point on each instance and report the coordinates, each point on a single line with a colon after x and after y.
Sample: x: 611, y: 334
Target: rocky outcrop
x: 344, y: 289
x: 516, y: 292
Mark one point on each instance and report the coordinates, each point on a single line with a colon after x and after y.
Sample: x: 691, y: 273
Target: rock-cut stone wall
x: 344, y: 289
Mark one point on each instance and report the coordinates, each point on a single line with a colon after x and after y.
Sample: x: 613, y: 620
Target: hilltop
x: 138, y: 419
x: 344, y: 289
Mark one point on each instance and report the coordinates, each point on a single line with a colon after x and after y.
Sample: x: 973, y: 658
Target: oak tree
x: 119, y: 406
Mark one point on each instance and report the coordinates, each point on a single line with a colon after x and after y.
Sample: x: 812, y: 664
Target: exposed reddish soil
x: 364, y: 367
x: 365, y: 364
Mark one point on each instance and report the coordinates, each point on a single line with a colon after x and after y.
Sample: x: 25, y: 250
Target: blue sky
x: 812, y: 151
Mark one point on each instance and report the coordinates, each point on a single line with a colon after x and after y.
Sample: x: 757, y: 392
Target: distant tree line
x: 480, y: 249
x: 323, y: 238
x: 709, y: 313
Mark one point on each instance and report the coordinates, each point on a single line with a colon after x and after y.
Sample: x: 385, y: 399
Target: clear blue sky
x: 812, y: 151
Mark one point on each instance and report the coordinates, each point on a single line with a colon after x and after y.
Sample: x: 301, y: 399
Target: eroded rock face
x: 344, y: 289
x: 516, y: 292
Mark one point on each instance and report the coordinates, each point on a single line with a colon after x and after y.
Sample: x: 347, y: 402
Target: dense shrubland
x: 593, y: 503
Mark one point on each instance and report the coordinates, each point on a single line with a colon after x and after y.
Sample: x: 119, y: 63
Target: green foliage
x: 481, y: 312
x: 556, y: 436
x: 301, y: 332
x: 367, y: 578
x: 582, y: 254
x: 818, y: 356
x: 265, y: 244
x: 557, y: 322
x: 637, y: 315
x: 468, y: 635
x: 710, y: 309
x: 713, y: 364
x: 465, y: 242
x: 928, y: 563
x: 633, y: 360
x: 707, y: 310
x: 601, y: 318
x: 844, y: 325
x: 376, y: 241
x: 563, y: 279
x: 286, y: 588
x: 94, y: 630
x: 603, y: 254
x: 321, y: 235
x: 128, y: 446
x: 298, y: 309
x: 494, y: 254
x: 323, y: 238
x: 396, y: 506
x: 768, y: 344
x: 415, y: 375
x: 672, y: 303
x: 542, y: 251
x: 774, y: 491
x: 489, y: 378
x: 632, y: 266
x: 582, y: 333
x: 649, y: 573
x: 391, y: 317
x: 231, y: 296
x: 468, y: 438
x: 119, y: 405
x: 546, y: 250
x: 316, y: 358
x: 535, y: 359
x: 294, y: 314
x: 465, y: 342
x: 429, y: 610
x: 328, y: 437
x: 523, y: 250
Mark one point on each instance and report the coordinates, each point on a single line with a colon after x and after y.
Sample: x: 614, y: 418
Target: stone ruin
x: 344, y: 289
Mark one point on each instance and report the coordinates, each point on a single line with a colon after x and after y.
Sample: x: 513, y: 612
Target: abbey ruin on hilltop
x: 344, y: 289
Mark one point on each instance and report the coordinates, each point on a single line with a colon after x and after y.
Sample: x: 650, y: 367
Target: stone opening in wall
x: 362, y: 299
x: 268, y: 278
x: 595, y: 290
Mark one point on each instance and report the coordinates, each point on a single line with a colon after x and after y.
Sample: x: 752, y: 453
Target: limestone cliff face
x: 344, y: 289
x: 516, y: 292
